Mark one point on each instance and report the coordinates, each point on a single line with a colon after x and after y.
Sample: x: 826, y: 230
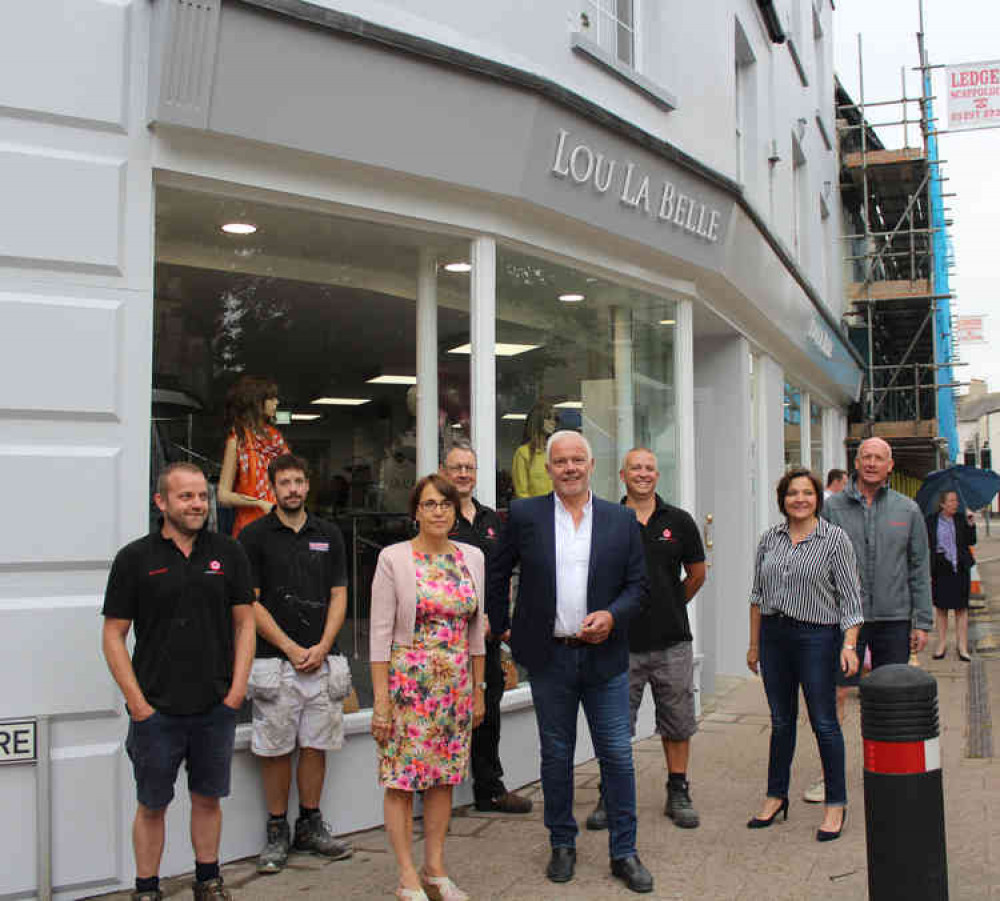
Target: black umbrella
x: 975, y: 487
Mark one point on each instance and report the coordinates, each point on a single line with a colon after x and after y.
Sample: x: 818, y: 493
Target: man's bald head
x: 873, y: 462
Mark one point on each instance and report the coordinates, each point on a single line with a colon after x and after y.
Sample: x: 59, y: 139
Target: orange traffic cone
x: 976, y: 589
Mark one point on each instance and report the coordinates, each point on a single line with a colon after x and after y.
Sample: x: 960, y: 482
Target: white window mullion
x: 482, y: 364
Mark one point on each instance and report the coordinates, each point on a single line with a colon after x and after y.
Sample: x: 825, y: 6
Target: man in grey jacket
x: 889, y: 537
x: 890, y: 542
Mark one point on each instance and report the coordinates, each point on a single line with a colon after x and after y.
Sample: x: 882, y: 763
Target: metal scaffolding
x: 896, y: 254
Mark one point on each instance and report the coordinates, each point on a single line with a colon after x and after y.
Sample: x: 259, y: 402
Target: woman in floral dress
x: 427, y: 660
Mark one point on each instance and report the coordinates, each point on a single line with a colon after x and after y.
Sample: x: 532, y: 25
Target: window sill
x: 596, y: 54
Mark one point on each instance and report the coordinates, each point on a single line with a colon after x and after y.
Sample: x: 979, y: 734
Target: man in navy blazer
x: 581, y: 580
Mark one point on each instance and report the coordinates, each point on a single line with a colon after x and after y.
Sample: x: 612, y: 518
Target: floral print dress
x: 430, y: 683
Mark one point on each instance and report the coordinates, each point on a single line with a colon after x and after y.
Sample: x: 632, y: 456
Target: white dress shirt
x: 572, y: 566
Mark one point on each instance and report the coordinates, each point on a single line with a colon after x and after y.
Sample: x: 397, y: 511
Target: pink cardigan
x: 394, y: 600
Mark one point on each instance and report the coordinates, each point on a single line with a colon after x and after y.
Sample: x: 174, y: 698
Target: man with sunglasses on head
x: 479, y: 525
x: 299, y: 571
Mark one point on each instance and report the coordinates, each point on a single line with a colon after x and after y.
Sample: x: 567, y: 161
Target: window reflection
x: 325, y: 308
x: 793, y: 425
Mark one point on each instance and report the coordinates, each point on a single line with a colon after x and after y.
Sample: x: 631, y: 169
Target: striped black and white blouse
x: 815, y: 581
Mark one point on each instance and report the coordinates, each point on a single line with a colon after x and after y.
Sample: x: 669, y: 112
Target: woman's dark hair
x: 799, y: 472
x: 245, y: 404
x: 444, y: 487
x: 534, y: 426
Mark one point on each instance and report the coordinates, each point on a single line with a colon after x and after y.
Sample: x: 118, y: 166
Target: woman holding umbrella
x: 950, y: 535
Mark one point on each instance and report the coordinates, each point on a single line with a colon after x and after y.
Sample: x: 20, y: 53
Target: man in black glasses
x: 479, y: 525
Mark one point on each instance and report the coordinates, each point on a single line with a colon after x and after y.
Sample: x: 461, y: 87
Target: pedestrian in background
x: 950, y: 535
x: 805, y: 612
x: 427, y: 627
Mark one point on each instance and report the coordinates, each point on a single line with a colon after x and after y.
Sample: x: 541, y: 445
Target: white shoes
x: 816, y: 793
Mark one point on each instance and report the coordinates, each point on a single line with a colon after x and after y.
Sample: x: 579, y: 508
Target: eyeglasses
x: 461, y: 467
x: 431, y: 506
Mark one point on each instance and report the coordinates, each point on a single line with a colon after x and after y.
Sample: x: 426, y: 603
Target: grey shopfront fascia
x: 361, y: 93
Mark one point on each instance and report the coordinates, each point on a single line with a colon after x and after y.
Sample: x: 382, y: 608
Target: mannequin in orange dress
x: 252, y: 442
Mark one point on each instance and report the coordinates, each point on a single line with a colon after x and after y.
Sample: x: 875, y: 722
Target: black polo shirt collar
x: 274, y: 523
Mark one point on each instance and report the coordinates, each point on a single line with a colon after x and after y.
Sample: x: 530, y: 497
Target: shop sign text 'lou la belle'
x: 635, y: 190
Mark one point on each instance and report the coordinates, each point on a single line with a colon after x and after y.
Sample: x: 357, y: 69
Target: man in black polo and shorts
x: 479, y: 525
x: 187, y: 590
x: 299, y: 677
x: 660, y: 641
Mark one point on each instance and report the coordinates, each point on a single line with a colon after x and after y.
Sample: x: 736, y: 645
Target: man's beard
x: 291, y: 505
x: 180, y: 524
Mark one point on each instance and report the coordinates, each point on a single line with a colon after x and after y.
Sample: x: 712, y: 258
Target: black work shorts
x: 203, y: 741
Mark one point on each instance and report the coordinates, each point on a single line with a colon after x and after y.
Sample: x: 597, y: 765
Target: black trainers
x: 211, y: 889
x: 275, y: 854
x: 598, y: 818
x: 679, y: 807
x: 314, y: 836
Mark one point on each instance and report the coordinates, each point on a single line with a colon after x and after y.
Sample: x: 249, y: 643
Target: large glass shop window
x: 579, y: 352
x: 324, y: 309
x: 816, y: 439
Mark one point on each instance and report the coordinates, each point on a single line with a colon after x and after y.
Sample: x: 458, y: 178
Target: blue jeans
x: 793, y: 653
x: 558, y: 691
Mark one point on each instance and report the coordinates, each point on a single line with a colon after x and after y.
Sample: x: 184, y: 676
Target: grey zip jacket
x: 890, y: 542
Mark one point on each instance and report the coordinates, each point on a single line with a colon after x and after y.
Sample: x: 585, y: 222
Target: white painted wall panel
x: 17, y: 850
x: 67, y: 503
x: 61, y: 209
x: 85, y: 780
x: 66, y: 58
x: 59, y: 355
x: 52, y: 652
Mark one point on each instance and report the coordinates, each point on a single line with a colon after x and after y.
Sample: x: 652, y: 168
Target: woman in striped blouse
x: 806, y: 595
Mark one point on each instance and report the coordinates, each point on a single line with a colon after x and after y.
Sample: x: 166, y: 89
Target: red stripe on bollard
x: 901, y: 758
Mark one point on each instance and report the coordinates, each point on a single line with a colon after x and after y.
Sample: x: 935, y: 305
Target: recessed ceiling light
x: 458, y: 267
x: 457, y: 425
x: 514, y: 416
x: 501, y: 349
x: 305, y: 417
x: 342, y: 401
x: 393, y: 380
x: 569, y: 405
x: 239, y: 228
x: 668, y: 322
x: 570, y: 298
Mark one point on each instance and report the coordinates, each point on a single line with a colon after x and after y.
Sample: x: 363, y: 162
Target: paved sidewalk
x: 497, y: 856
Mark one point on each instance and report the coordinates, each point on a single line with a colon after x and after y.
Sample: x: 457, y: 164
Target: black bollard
x: 904, y: 802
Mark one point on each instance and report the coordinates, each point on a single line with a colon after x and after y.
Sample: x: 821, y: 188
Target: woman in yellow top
x: 528, y: 469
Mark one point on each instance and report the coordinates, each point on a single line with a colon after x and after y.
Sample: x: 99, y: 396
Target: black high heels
x: 759, y: 823
x: 822, y: 835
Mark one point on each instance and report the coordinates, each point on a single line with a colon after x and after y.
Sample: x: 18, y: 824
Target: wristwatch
x: 481, y: 685
x: 849, y: 647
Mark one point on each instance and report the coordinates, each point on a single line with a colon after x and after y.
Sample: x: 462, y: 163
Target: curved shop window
x: 575, y: 351
x: 326, y: 309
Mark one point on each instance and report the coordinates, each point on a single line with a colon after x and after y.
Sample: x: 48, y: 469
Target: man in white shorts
x: 299, y: 678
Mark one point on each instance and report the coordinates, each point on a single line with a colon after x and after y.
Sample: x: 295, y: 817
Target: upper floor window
x: 611, y: 25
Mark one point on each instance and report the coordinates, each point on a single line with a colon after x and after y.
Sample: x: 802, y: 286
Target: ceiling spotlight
x: 514, y: 416
x: 305, y: 417
x: 239, y: 228
x: 458, y: 267
x: 668, y: 322
x: 570, y: 298
x: 569, y: 405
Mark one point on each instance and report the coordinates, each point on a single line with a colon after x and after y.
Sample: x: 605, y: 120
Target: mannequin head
x: 250, y: 404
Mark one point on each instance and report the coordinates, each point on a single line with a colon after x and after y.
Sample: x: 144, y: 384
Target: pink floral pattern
x: 430, y: 683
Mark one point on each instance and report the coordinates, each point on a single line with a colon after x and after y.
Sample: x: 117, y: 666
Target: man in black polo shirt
x: 660, y: 641
x: 187, y: 590
x: 300, y: 583
x: 478, y: 525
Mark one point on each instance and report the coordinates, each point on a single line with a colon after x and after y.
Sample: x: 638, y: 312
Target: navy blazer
x: 615, y: 583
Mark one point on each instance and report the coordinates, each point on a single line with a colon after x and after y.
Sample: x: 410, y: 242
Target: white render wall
x: 76, y: 313
x: 688, y: 50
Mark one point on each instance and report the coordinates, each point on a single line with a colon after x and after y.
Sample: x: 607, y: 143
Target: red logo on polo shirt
x: 667, y: 534
x: 215, y: 566
x: 158, y: 572
x: 490, y: 533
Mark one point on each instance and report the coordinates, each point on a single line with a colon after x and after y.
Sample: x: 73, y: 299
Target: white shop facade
x: 436, y: 247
